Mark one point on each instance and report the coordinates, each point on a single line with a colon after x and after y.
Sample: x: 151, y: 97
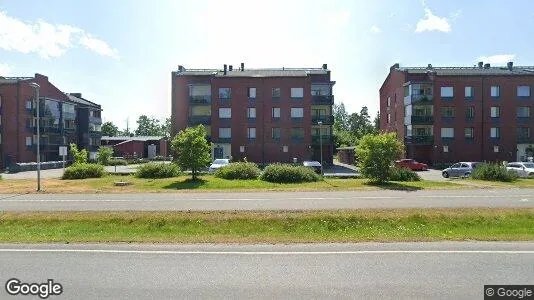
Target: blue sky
x: 121, y: 53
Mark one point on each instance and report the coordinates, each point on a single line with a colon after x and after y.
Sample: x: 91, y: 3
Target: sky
x: 121, y: 53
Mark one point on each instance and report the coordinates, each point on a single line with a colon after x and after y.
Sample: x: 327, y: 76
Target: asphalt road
x: 270, y: 200
x: 357, y: 271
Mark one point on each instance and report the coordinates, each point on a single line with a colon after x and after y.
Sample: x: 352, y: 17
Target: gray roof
x: 131, y: 138
x: 470, y: 71
x: 83, y: 101
x: 11, y: 80
x: 280, y: 72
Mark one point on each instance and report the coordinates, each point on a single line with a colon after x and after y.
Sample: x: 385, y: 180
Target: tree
x: 340, y: 117
x: 109, y: 129
x: 104, y: 155
x: 166, y: 127
x: 192, y: 149
x: 148, y: 126
x: 377, y: 122
x: 376, y: 155
x: 79, y: 156
x: 360, y: 124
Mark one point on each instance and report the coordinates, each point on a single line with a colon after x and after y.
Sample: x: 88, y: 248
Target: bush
x: 135, y: 161
x: 161, y: 158
x: 403, y: 174
x: 376, y: 154
x: 238, y: 170
x: 493, y: 172
x: 83, y: 170
x: 117, y: 162
x: 157, y: 170
x: 104, y: 155
x: 284, y: 173
x: 79, y: 156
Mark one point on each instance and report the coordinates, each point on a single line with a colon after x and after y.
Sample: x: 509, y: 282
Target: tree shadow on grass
x: 187, y: 184
x: 397, y: 186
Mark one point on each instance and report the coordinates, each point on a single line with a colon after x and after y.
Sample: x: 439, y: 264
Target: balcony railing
x: 197, y: 120
x: 419, y: 99
x: 95, y: 120
x: 327, y: 120
x: 524, y: 139
x: 222, y: 140
x: 422, y: 120
x: 46, y: 129
x: 204, y: 99
x: 322, y: 99
x: 419, y: 139
x: 326, y: 139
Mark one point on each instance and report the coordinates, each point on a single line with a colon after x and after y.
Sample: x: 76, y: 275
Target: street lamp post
x: 36, y: 87
x: 321, y: 143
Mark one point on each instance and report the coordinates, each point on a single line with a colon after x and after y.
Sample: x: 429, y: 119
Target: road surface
x: 270, y: 200
x: 444, y: 270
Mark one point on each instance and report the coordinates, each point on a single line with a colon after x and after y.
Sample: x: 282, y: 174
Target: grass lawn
x: 207, y: 183
x: 270, y: 227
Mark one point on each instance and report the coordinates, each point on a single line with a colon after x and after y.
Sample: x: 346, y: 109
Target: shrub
x: 403, y: 174
x: 117, y: 162
x: 83, y: 170
x: 376, y: 154
x: 493, y: 172
x: 284, y: 173
x: 161, y: 158
x: 238, y: 170
x: 136, y: 161
x: 79, y: 156
x: 157, y: 170
x: 104, y: 155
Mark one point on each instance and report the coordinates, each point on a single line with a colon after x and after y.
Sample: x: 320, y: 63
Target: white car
x: 218, y: 163
x: 523, y: 169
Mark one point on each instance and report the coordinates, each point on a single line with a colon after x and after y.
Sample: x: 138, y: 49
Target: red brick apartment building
x: 450, y: 114
x: 65, y: 119
x: 265, y: 115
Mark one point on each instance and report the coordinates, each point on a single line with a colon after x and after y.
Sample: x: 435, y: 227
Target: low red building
x: 137, y: 146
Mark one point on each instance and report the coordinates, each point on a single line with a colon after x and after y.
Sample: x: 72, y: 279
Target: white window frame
x: 495, y: 112
x: 29, y: 141
x: 469, y: 91
x: 472, y: 131
x: 297, y: 92
x: 251, y: 112
x: 241, y: 149
x: 389, y: 101
x: 445, y: 148
x: 225, y: 113
x: 495, y: 132
x: 447, y: 92
x: 389, y: 118
x: 285, y: 148
x: 496, y: 149
x: 251, y: 132
x: 495, y: 91
x: 523, y: 91
x: 223, y: 131
x: 28, y: 104
x: 251, y: 92
x: 224, y: 88
x: 297, y: 112
x: 447, y: 132
x: 275, y: 112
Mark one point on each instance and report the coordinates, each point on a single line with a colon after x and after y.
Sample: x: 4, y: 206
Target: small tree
x: 104, y: 155
x: 376, y: 154
x: 192, y: 149
x: 79, y: 156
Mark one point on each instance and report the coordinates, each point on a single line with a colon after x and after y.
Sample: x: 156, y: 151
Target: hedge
x: 84, y: 170
x: 238, y: 170
x: 157, y: 170
x: 284, y: 173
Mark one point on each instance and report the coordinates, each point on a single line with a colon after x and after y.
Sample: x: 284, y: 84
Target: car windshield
x: 529, y: 165
x: 220, y: 161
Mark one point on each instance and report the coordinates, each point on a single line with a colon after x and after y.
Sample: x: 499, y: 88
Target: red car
x: 411, y: 164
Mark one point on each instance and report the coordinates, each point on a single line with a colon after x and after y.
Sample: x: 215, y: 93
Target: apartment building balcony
x: 203, y: 99
x: 421, y: 120
x: 47, y: 129
x: 95, y: 120
x: 327, y: 120
x: 45, y: 147
x: 523, y: 139
x: 419, y: 140
x: 222, y: 140
x: 418, y: 99
x: 326, y: 140
x: 199, y: 120
x: 322, y: 100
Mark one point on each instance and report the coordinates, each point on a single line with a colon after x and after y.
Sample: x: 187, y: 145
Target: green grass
x: 269, y: 227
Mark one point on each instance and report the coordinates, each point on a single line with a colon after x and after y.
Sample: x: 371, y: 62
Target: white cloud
x: 455, y: 15
x: 98, y: 46
x: 45, y: 39
x: 375, y: 29
x: 432, y: 22
x: 499, y: 59
x: 4, y: 69
x: 340, y: 18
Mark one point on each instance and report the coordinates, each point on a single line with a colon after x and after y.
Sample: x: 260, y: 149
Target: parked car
x: 315, y: 165
x: 523, y: 169
x: 461, y: 169
x: 221, y: 162
x: 411, y: 164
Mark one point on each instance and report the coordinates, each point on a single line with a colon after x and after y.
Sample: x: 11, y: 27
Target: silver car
x: 461, y: 169
x: 523, y: 169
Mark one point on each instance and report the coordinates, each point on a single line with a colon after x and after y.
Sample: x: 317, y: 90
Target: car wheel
x: 467, y: 174
x: 445, y: 174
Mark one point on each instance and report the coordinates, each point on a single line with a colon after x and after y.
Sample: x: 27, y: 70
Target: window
x: 389, y: 101
x: 389, y: 118
x: 297, y: 112
x: 29, y: 104
x: 225, y: 113
x: 495, y: 112
x: 297, y: 92
x: 225, y: 133
x: 200, y: 90
x: 447, y: 112
x: 495, y: 132
x: 285, y: 148
x: 445, y: 148
x: 251, y: 132
x: 470, y: 112
x: 251, y: 93
x: 447, y: 132
x: 28, y: 141
x: 495, y: 91
x: 275, y: 93
x: 241, y: 149
x: 495, y: 149
x: 275, y: 133
x: 523, y: 112
x: 469, y: 132
x: 0, y: 138
x: 225, y: 93
x: 447, y: 91
x: 469, y: 92
x: 276, y: 112
x: 523, y: 132
x: 523, y: 91
x: 297, y: 133
x: 251, y: 112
